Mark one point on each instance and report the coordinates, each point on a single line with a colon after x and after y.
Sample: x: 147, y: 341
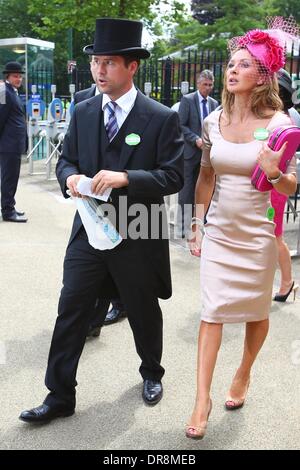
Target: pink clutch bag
x: 279, y: 136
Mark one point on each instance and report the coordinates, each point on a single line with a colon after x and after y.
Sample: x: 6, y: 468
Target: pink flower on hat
x: 255, y: 35
x: 275, y: 59
x: 265, y: 48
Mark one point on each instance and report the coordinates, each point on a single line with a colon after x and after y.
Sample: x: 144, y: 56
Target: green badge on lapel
x: 271, y: 213
x: 132, y: 139
x: 261, y: 133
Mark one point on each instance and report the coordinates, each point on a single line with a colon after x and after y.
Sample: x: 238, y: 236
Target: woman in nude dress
x: 238, y: 250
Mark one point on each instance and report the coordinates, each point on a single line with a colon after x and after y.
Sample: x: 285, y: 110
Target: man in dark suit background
x: 85, y: 94
x: 193, y: 109
x: 128, y: 142
x: 118, y: 310
x: 13, y: 141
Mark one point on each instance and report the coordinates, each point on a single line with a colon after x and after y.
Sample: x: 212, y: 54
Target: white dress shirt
x: 125, y: 104
x: 15, y: 89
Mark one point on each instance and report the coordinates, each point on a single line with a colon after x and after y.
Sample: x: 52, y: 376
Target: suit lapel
x: 92, y: 91
x: 92, y: 128
x: 196, y: 98
x: 16, y: 98
x: 136, y: 122
x: 210, y: 104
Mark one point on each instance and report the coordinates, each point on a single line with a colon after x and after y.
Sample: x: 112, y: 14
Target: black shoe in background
x: 94, y: 331
x: 114, y: 315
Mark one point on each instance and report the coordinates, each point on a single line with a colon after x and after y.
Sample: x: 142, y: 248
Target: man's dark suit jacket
x: 13, y: 132
x: 154, y: 168
x: 84, y: 94
x: 190, y: 121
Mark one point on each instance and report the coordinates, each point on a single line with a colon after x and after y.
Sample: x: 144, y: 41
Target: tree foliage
x: 55, y: 20
x: 232, y: 18
x: 55, y: 17
x: 286, y: 8
x: 14, y: 20
x: 80, y: 14
x: 211, y: 23
x: 205, y: 11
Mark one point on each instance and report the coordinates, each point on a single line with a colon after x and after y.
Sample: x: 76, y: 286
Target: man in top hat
x: 13, y: 141
x: 130, y: 143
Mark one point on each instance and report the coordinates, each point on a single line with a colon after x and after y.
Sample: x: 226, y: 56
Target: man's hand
x: 72, y: 185
x: 108, y: 179
x: 199, y: 143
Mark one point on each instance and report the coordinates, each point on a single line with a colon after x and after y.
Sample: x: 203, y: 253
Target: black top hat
x: 117, y: 37
x: 13, y: 67
x: 285, y: 80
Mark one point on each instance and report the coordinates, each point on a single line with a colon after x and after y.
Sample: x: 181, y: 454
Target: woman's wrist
x: 274, y: 173
x: 275, y: 177
x: 197, y: 221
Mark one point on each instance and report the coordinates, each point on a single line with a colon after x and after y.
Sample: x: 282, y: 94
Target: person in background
x: 193, y: 109
x: 278, y: 201
x: 117, y: 310
x: 13, y: 141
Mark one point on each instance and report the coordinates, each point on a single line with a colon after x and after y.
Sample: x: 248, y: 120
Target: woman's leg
x: 285, y: 264
x: 209, y: 341
x: 256, y: 333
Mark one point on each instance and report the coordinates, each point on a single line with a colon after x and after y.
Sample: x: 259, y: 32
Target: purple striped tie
x: 204, y: 109
x: 112, y: 124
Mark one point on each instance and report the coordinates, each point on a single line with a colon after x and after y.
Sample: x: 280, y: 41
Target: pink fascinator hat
x: 268, y: 46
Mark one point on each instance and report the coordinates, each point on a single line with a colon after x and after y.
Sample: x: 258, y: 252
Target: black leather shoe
x: 15, y: 218
x: 114, y: 315
x: 45, y: 413
x: 94, y: 331
x: 152, y: 391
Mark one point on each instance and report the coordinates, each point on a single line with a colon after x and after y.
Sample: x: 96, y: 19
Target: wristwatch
x: 275, y: 180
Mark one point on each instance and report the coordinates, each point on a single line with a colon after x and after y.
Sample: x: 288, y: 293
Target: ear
x: 134, y: 66
x: 260, y: 81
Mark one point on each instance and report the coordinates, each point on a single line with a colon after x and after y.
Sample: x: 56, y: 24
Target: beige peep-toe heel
x: 198, y: 432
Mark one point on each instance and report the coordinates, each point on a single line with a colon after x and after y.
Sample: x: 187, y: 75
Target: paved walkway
x: 110, y: 412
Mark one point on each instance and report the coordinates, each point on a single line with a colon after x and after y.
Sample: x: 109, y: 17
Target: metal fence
x: 165, y: 75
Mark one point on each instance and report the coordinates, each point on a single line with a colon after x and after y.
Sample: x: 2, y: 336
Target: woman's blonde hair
x: 264, y: 97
